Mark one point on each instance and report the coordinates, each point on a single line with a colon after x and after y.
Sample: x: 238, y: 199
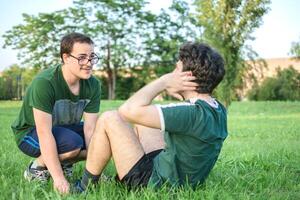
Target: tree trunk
x: 111, y: 72
x: 111, y: 84
x: 114, y: 78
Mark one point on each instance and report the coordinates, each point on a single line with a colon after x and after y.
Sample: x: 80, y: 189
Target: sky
x: 273, y: 38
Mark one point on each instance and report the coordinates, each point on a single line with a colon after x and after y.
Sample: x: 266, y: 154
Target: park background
x: 138, y: 42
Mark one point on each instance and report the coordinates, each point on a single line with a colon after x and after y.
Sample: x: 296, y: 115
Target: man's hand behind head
x: 178, y: 82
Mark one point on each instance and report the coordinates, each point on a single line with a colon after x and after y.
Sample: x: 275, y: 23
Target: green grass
x: 260, y: 159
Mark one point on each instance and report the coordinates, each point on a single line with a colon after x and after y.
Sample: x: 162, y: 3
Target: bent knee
x: 110, y: 118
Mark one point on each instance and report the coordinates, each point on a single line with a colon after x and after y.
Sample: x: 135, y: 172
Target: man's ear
x: 178, y: 67
x: 65, y: 58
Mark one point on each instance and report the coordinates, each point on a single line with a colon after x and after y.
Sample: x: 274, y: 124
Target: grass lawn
x: 260, y: 159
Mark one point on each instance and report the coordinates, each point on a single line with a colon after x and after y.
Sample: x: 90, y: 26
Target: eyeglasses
x: 84, y: 60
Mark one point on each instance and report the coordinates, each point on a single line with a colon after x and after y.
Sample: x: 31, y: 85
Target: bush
x: 285, y: 86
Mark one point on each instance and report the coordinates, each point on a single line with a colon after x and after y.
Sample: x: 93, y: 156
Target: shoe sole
x: 27, y: 176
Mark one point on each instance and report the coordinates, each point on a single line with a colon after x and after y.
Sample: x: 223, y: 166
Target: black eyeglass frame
x: 94, y: 60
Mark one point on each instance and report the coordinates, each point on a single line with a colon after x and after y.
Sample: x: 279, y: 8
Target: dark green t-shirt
x: 194, y: 134
x: 50, y: 93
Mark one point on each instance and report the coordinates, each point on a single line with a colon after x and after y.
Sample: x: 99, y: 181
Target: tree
x: 227, y: 25
x: 295, y: 49
x: 112, y: 24
x: 38, y: 39
x: 131, y: 36
x: 169, y: 30
x: 127, y: 35
x: 285, y: 86
x: 11, y: 84
x: 116, y: 26
x: 15, y: 80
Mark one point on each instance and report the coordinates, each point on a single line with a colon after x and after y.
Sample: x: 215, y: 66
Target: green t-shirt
x: 194, y: 134
x: 50, y: 93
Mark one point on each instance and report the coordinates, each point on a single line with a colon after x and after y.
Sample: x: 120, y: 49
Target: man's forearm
x: 50, y: 155
x: 88, y: 132
x: 144, y: 96
x: 137, y: 109
x: 90, y: 121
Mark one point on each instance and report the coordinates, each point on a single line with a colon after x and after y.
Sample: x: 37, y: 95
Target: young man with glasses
x: 49, y: 126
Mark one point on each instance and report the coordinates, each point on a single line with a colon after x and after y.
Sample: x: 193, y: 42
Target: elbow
x: 123, y: 111
x: 127, y: 112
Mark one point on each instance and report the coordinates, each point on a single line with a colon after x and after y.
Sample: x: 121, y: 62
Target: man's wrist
x: 59, y: 177
x: 164, y: 81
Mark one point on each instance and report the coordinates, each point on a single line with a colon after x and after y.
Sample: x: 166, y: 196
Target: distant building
x: 261, y: 70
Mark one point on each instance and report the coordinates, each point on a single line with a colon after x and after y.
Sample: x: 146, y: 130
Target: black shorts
x: 140, y: 173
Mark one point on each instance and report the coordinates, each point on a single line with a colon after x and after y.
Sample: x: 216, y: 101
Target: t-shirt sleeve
x: 177, y: 118
x: 42, y: 95
x: 94, y: 105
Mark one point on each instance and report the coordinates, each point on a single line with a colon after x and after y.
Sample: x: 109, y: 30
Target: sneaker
x: 68, y: 170
x: 77, y: 188
x: 40, y: 174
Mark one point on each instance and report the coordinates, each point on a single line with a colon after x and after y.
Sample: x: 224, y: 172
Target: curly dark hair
x: 68, y: 41
x: 206, y: 64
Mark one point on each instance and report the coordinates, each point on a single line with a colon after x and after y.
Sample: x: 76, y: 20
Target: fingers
x: 62, y: 187
x: 65, y: 189
x: 187, y: 76
x: 186, y: 73
x: 180, y: 81
x: 190, y: 84
x: 189, y: 88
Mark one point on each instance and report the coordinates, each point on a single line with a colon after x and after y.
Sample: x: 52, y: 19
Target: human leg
x: 150, y: 138
x: 69, y: 145
x: 113, y: 136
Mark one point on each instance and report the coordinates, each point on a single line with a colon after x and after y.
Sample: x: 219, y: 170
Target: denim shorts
x: 67, y: 137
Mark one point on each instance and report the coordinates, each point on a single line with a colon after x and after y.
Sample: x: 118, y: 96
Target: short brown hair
x: 67, y: 42
x: 206, y: 64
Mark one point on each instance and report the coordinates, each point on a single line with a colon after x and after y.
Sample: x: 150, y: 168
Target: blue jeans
x: 67, y: 137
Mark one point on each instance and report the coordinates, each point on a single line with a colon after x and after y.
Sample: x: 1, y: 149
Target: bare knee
x: 104, y: 118
x: 111, y: 119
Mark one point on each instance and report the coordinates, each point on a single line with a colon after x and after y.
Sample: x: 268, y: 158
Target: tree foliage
x: 227, y: 25
x: 14, y: 81
x: 115, y: 27
x: 124, y: 32
x: 295, y: 49
x: 285, y: 86
x: 37, y: 40
x: 127, y: 35
x: 166, y: 32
